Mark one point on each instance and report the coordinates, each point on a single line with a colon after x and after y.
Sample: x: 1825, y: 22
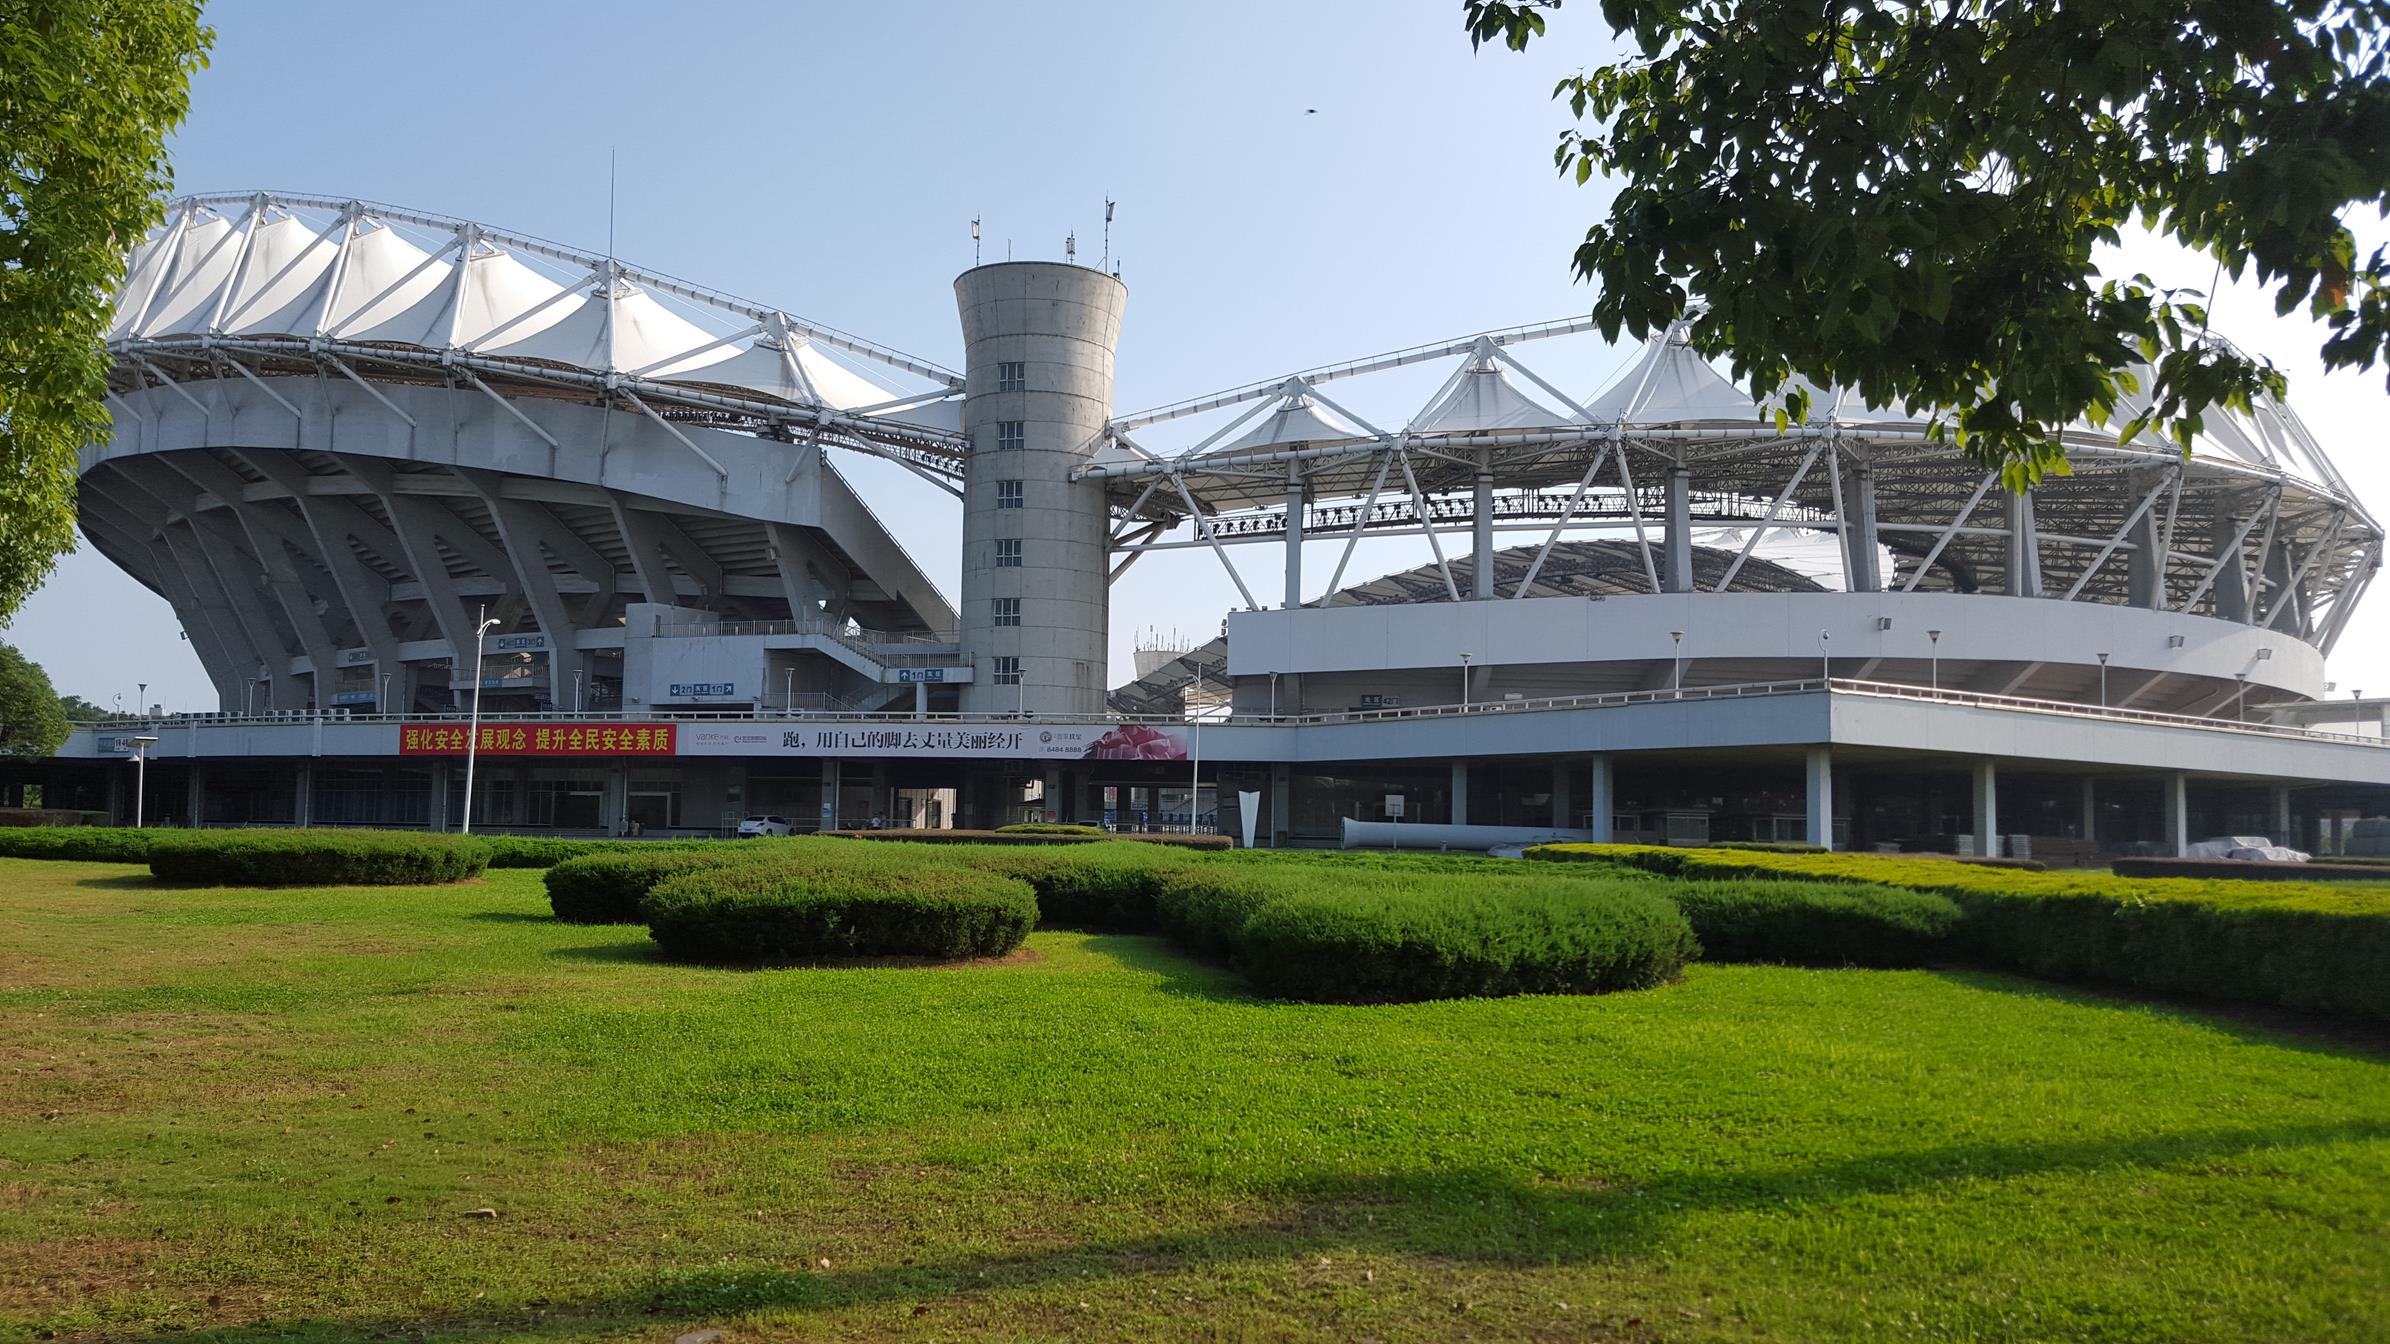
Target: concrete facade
x: 1038, y: 341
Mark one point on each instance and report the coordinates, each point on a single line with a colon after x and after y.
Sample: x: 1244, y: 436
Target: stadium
x: 412, y: 483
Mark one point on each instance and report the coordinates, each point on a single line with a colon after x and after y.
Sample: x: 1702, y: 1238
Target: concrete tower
x: 1037, y: 368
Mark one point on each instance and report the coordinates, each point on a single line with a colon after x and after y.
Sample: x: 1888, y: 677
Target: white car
x: 755, y: 826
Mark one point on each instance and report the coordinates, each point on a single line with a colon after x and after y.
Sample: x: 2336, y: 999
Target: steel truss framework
x: 263, y: 284
x: 2253, y: 525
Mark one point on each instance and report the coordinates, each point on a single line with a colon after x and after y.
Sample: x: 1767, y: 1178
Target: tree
x: 32, y: 725
x: 79, y: 710
x: 1904, y: 196
x: 89, y: 90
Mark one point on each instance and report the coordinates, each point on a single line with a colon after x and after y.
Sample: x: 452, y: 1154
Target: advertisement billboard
x: 542, y: 739
x: 1032, y: 741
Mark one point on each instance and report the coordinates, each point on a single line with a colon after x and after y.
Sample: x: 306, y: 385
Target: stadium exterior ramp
x: 345, y: 430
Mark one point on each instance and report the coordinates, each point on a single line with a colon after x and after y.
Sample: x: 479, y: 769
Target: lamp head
x: 486, y: 627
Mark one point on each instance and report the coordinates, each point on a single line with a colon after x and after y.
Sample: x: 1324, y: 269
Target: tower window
x: 1008, y: 671
x: 1010, y: 435
x: 1007, y: 609
x: 1008, y: 494
x: 1008, y: 552
x: 1011, y: 376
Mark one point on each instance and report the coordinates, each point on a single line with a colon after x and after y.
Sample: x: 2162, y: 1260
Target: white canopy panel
x: 303, y: 272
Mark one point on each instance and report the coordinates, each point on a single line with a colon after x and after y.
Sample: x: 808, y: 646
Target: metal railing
x: 1475, y: 709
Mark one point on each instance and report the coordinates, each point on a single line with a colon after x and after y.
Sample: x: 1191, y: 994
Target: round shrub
x: 606, y: 887
x: 1463, y: 939
x: 1110, y: 887
x: 781, y: 913
x: 1205, y: 906
x: 1815, y: 923
x: 275, y: 858
x: 82, y: 844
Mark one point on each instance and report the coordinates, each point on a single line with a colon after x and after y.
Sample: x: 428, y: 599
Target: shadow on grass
x: 1175, y: 971
x: 140, y: 881
x: 1469, y: 1218
x: 514, y: 917
x: 642, y: 952
x: 2248, y: 1023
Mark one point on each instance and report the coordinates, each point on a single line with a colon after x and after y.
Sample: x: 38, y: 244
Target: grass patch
x: 248, y: 1116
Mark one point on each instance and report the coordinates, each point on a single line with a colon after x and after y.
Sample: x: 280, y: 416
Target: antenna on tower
x: 1108, y: 204
x: 1070, y: 247
x: 975, y: 240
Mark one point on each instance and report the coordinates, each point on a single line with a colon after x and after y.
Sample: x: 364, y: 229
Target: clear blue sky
x: 827, y: 159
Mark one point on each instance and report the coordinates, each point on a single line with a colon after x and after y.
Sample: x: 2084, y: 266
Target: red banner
x: 540, y: 739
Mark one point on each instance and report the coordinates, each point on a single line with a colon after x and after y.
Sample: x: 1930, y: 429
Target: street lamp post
x: 1195, y: 754
x: 1464, y: 683
x: 577, y: 674
x: 1825, y: 664
x: 473, y: 721
x: 1676, y: 654
x: 2103, y: 680
x: 788, y: 690
x: 1935, y: 636
x: 141, y: 745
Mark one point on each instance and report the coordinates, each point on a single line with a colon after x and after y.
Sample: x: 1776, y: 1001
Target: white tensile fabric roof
x: 300, y: 269
x: 1668, y: 386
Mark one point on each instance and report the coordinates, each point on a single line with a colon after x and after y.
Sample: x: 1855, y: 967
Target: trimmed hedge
x: 2250, y: 870
x: 1815, y: 923
x: 1108, y: 887
x: 1438, y: 940
x: 766, y: 914
x: 2314, y: 946
x: 52, y: 816
x: 1013, y: 838
x: 540, y: 851
x: 82, y: 844
x: 1053, y: 828
x: 606, y: 887
x: 290, y: 858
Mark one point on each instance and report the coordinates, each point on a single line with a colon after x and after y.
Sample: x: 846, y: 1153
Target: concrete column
x: 2091, y: 812
x: 1038, y: 341
x: 1600, y: 800
x: 1858, y: 536
x: 615, y: 816
x: 2024, y: 547
x: 302, y: 807
x: 829, y: 815
x: 2145, y: 568
x: 1820, y: 796
x: 439, y: 771
x: 2231, y: 588
x: 1460, y: 793
x: 1560, y: 795
x: 1481, y: 564
x: 2178, y: 813
x: 1294, y: 535
x: 2281, y: 812
x: 1987, y: 807
x: 1054, y: 794
x: 920, y: 699
x: 1281, y: 802
x: 1676, y: 573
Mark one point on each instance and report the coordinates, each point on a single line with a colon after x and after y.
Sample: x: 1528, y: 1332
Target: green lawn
x: 269, y: 1115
